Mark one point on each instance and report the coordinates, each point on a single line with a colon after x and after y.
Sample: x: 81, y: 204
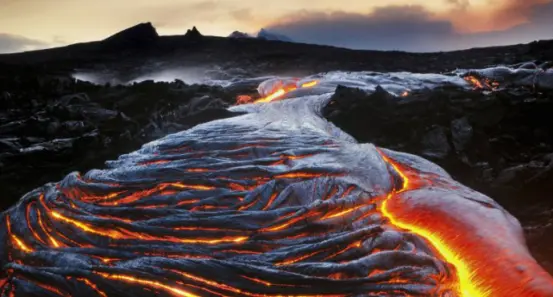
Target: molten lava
x: 264, y: 205
x: 482, y: 84
x: 483, y: 269
x: 278, y: 90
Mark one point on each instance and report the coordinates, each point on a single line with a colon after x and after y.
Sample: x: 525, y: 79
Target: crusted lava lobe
x: 257, y: 205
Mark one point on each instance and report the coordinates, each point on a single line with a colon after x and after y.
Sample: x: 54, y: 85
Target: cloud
x: 241, y: 14
x: 408, y: 28
x: 394, y: 27
x: 459, y: 4
x: 14, y: 43
x: 496, y: 15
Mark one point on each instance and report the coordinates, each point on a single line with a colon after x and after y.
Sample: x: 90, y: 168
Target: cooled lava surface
x: 275, y: 202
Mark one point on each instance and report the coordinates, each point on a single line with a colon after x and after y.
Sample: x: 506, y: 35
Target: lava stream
x: 264, y: 205
x: 492, y: 267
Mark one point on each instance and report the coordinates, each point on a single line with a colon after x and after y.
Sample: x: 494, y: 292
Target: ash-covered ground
x: 497, y: 142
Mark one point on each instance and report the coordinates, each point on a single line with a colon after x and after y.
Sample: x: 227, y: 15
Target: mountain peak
x: 138, y: 35
x: 193, y: 33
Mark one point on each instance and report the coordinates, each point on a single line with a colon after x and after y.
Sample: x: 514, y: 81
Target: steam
x: 188, y: 75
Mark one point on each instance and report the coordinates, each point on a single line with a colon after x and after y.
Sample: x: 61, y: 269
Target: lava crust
x: 275, y: 202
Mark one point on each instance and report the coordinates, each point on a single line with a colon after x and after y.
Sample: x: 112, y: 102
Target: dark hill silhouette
x: 141, y: 35
x: 134, y: 46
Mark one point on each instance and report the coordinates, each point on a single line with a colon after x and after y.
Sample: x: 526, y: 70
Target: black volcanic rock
x: 141, y: 35
x: 59, y: 125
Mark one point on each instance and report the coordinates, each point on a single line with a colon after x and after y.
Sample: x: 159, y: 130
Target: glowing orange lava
x: 474, y: 81
x: 482, y: 84
x: 485, y: 265
x: 120, y: 233
x: 16, y: 240
x: 282, y: 90
x: 93, y: 286
x: 149, y: 283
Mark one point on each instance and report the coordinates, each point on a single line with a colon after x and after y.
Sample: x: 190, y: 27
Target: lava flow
x: 264, y: 205
x: 277, y: 90
x: 477, y: 264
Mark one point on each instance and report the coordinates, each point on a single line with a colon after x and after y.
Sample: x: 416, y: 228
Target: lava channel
x: 264, y: 205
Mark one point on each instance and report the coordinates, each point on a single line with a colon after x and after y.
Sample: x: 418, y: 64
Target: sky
x: 409, y: 25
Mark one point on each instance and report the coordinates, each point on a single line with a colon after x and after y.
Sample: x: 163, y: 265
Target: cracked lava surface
x: 276, y: 202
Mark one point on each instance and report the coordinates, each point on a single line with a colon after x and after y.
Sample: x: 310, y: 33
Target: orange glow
x: 467, y: 287
x: 256, y: 280
x: 242, y: 252
x: 198, y: 170
x: 227, y: 287
x: 51, y: 289
x: 103, y: 197
x: 299, y: 175
x: 290, y: 157
x: 211, y: 283
x: 185, y: 202
x: 483, y: 269
x: 478, y: 84
x: 126, y: 234
x: 53, y: 241
x: 22, y: 246
x: 309, y: 84
x: 157, y: 189
x: 247, y: 206
x: 93, y: 286
x: 243, y: 99
x: 152, y: 284
x: 192, y: 187
x: 271, y: 199
x: 331, y: 194
x: 272, y: 96
x: 297, y: 259
x: 18, y: 242
x: 276, y: 94
x: 153, y: 162
x: 474, y: 81
x: 29, y: 225
x: 341, y: 213
x: 347, y: 191
x: 356, y: 244
x: 291, y: 222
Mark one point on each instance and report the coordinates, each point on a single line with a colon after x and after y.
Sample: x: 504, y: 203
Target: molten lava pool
x: 276, y: 202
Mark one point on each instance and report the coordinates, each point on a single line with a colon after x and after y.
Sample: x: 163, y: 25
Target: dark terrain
x: 498, y: 143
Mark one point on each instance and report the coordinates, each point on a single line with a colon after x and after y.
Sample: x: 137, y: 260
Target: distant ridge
x: 267, y: 35
x: 238, y: 34
x: 140, y: 35
x: 262, y: 34
x: 141, y: 44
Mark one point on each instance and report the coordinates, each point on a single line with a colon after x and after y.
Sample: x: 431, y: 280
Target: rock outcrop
x: 193, y: 34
